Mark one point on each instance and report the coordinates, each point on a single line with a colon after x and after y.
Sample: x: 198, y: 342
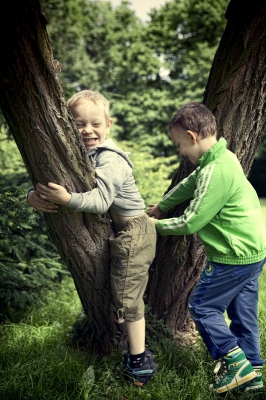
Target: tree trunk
x: 34, y: 107
x: 235, y: 92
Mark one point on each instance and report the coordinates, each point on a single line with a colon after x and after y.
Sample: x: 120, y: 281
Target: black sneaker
x: 127, y: 357
x: 140, y: 376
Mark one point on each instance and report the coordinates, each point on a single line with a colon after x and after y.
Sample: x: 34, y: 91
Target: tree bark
x: 235, y: 93
x: 236, y: 88
x: 35, y: 109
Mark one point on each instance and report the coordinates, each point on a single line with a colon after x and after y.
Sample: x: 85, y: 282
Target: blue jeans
x: 231, y: 288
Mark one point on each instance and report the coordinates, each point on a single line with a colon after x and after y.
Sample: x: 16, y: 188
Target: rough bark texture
x: 34, y: 107
x: 237, y: 84
x: 235, y: 92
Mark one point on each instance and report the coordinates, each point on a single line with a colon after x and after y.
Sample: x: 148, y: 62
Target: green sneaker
x: 231, y: 372
x: 256, y: 385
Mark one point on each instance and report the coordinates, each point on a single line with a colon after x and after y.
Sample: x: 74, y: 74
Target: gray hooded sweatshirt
x: 115, y: 185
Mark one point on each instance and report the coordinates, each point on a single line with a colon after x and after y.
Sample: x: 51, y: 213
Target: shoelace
x: 219, y: 370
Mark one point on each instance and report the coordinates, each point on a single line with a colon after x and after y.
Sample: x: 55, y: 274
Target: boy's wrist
x: 67, y: 199
x: 30, y: 191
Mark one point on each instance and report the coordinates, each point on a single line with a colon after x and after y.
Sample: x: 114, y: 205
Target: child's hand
x: 154, y: 211
x: 55, y: 193
x: 35, y: 201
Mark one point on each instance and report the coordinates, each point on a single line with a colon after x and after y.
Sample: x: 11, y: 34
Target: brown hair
x: 195, y: 117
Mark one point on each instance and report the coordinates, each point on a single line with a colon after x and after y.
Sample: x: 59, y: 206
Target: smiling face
x: 187, y: 143
x: 92, y: 122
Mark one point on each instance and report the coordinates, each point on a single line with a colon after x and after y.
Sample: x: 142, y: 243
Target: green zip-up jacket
x: 224, y: 209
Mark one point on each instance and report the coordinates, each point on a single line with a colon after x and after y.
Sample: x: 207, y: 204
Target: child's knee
x: 195, y: 309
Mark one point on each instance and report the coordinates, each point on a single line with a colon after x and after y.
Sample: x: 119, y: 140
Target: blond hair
x: 89, y: 95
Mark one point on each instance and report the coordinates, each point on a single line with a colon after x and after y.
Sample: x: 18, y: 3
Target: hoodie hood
x: 110, y: 145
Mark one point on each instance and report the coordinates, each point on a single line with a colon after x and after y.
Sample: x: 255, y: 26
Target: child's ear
x: 193, y: 136
x: 109, y: 125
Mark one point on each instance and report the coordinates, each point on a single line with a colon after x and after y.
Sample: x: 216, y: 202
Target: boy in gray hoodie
x: 134, y: 240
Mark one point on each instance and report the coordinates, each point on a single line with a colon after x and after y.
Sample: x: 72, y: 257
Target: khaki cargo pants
x: 132, y: 252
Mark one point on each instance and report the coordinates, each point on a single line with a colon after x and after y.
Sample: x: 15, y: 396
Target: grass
x: 37, y: 361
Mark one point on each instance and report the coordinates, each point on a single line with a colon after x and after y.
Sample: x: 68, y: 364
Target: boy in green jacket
x: 225, y: 212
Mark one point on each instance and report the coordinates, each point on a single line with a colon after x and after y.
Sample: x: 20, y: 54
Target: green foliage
x: 116, y: 43
x: 144, y: 121
x: 29, y: 263
x: 66, y: 32
x: 179, y: 29
x: 152, y: 175
x: 13, y: 172
x: 146, y: 70
x: 96, y: 45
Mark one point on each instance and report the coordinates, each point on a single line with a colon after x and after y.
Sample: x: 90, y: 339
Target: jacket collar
x: 213, y: 153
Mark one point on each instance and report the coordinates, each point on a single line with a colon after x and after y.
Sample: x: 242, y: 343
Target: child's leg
x: 243, y: 313
x: 136, y: 336
x: 207, y: 303
x: 217, y: 290
x: 133, y: 250
x: 218, y: 285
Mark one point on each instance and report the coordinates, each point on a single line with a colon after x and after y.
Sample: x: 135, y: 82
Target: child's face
x: 187, y: 143
x: 92, y: 123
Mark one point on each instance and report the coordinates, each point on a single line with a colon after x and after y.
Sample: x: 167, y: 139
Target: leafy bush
x: 29, y: 263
